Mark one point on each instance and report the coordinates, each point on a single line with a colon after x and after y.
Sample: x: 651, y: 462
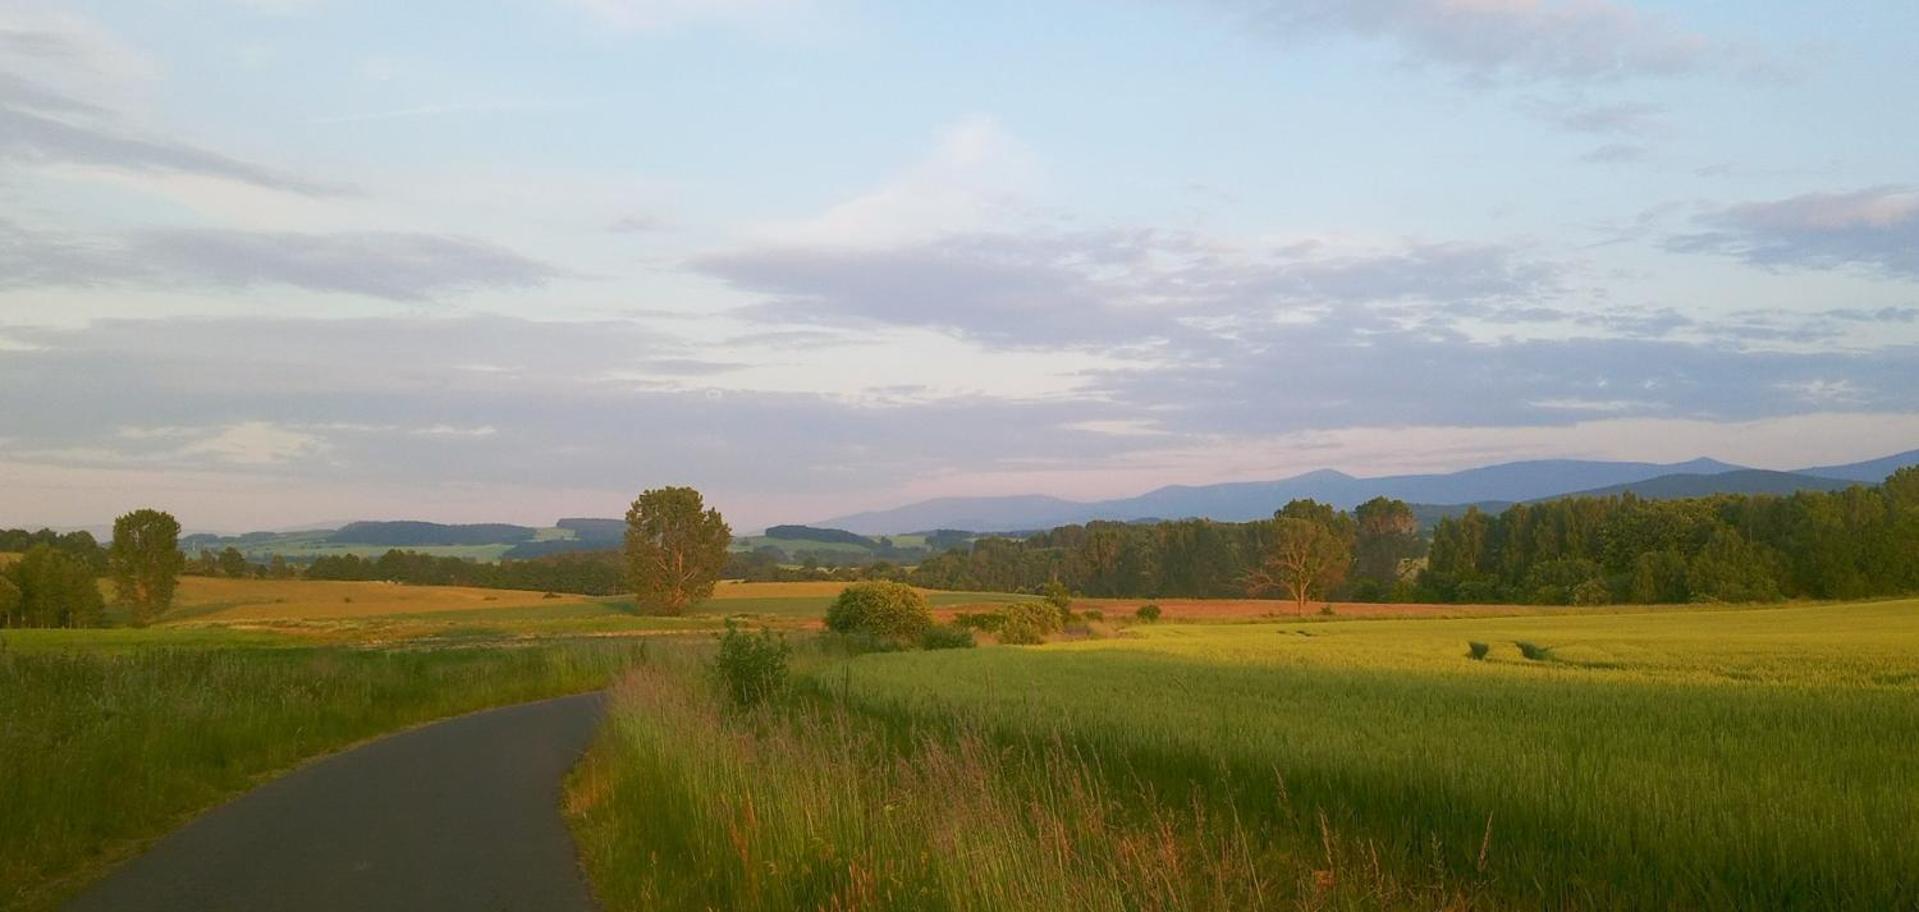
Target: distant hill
x: 409, y: 533
x: 1741, y: 481
x: 814, y: 534
x: 1872, y: 471
x: 1242, y: 501
x: 1437, y: 494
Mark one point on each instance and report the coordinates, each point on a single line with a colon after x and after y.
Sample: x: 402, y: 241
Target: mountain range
x: 1487, y: 486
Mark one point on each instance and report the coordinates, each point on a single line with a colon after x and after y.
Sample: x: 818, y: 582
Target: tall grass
x: 102, y: 749
x: 683, y: 805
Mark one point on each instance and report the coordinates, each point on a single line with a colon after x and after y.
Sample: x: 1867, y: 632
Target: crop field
x: 203, y: 598
x: 1717, y: 759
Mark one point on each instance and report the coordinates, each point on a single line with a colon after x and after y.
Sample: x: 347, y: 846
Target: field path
x: 461, y: 814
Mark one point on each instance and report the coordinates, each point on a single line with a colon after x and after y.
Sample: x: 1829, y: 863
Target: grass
x: 807, y: 805
x: 1723, y: 759
x: 112, y: 737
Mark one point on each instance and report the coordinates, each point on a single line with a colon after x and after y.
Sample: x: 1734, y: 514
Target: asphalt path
x: 461, y: 814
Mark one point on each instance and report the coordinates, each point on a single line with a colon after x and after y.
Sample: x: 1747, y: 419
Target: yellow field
x: 210, y: 599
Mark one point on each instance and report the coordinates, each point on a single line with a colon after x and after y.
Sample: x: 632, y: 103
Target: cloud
x: 385, y: 404
x: 1615, y: 153
x: 66, y: 113
x: 1110, y: 288
x: 1563, y: 41
x: 1617, y: 118
x: 1875, y: 229
x: 30, y: 138
x: 392, y: 265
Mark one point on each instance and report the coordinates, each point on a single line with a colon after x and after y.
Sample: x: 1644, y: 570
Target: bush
x: 947, y: 636
x: 1477, y: 651
x: 1021, y: 632
x: 1058, y: 596
x: 1592, y: 592
x: 1148, y: 612
x: 882, y: 608
x: 1043, y: 617
x: 988, y: 621
x: 750, y: 669
x: 1534, y: 651
x: 1093, y: 614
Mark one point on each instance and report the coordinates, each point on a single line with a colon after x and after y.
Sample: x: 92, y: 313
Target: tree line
x: 1857, y: 542
x: 55, y: 581
x: 582, y: 572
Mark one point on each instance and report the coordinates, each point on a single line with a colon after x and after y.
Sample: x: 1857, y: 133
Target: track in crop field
x: 461, y: 814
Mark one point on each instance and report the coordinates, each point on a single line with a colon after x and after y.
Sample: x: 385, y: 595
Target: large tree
x: 1304, y: 558
x: 675, y: 549
x: 145, y: 561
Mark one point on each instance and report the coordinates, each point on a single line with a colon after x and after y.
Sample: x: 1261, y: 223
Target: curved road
x: 461, y: 814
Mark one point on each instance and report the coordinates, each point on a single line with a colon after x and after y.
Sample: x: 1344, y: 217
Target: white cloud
x: 976, y: 175
x: 255, y: 443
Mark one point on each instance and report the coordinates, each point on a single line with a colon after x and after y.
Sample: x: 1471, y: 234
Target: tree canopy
x: 145, y: 561
x: 675, y: 549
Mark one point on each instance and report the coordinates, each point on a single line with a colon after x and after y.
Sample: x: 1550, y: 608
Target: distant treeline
x: 1861, y: 541
x: 582, y: 572
x: 1856, y: 542
x: 1190, y: 558
x: 81, y: 545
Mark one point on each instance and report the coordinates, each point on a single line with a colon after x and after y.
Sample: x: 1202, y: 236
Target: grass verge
x: 104, y: 748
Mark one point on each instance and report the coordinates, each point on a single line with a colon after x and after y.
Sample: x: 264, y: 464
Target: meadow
x: 1713, y: 759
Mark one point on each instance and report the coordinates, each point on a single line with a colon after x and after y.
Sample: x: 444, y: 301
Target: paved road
x: 462, y: 814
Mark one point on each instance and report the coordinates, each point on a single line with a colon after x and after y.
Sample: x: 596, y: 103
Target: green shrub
x: 882, y: 608
x: 1041, y: 616
x: 1148, y: 612
x: 1534, y: 651
x: 1057, y: 595
x: 1476, y: 650
x: 1592, y: 592
x: 988, y: 621
x: 750, y: 669
x: 947, y: 636
x: 1020, y: 632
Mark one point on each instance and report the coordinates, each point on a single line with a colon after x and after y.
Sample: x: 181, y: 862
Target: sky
x: 270, y: 263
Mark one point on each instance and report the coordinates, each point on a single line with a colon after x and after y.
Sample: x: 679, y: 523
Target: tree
x: 1387, y: 534
x: 1304, y: 559
x: 675, y: 549
x: 56, y: 590
x: 145, y: 560
x: 233, y: 564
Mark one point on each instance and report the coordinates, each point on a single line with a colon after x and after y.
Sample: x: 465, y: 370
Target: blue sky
x: 285, y: 261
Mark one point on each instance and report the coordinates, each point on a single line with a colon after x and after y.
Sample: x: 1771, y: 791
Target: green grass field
x: 112, y: 737
x: 1720, y: 759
